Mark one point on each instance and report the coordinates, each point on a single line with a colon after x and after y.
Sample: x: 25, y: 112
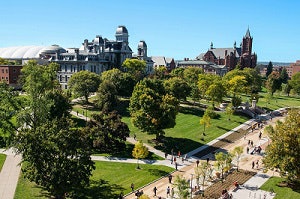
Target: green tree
x: 205, y: 121
x: 269, y: 69
x: 161, y: 72
x: 139, y: 152
x: 177, y: 72
x: 223, y: 162
x: 151, y: 109
x: 204, y: 81
x: 190, y: 75
x: 216, y: 92
x: 286, y: 88
x: 182, y: 186
x: 284, y: 76
x: 284, y: 153
x: 237, y: 85
x: 202, y: 173
x: 295, y: 82
x: 229, y: 111
x: 9, y: 106
x: 237, y: 154
x: 123, y: 82
x: 107, y: 131
x: 135, y: 67
x: 56, y: 157
x: 273, y: 82
x: 106, y: 98
x: 83, y: 83
x: 177, y: 87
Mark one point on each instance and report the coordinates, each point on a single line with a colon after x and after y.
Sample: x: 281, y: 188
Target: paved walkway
x: 9, y: 174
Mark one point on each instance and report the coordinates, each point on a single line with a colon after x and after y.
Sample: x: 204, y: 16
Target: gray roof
x: 220, y: 52
x: 194, y: 62
x: 161, y: 60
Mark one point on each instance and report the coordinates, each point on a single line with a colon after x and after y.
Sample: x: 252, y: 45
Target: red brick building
x: 293, y: 68
x: 231, y: 56
x: 10, y: 74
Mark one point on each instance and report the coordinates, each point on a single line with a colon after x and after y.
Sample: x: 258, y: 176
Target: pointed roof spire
x: 211, y: 45
x: 248, y: 33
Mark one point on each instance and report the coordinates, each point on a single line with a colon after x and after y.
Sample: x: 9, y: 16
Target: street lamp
x: 192, y: 185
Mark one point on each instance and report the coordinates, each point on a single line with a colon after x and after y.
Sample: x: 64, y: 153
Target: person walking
x: 247, y: 149
x: 197, y: 162
x: 132, y: 186
x: 172, y: 193
x: 259, y: 136
x: 154, y: 190
x: 168, y: 191
x: 253, y: 164
x: 170, y: 179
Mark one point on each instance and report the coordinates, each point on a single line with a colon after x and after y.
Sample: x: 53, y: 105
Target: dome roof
x: 142, y: 44
x: 121, y: 30
x: 27, y: 52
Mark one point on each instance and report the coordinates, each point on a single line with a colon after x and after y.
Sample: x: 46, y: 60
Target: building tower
x: 122, y: 34
x: 247, y: 43
x: 142, y: 50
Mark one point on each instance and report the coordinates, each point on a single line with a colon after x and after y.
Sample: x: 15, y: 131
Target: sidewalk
x: 9, y: 174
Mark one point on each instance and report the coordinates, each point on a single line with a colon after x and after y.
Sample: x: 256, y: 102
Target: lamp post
x: 192, y: 185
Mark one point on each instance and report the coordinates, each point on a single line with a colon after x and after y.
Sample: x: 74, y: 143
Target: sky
x: 172, y: 28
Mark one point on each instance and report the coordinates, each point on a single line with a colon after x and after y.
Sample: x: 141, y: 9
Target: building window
x: 6, y: 70
x: 66, y: 86
x: 2, y: 70
x: 14, y: 70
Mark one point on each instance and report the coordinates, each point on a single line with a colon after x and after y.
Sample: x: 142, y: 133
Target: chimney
x: 225, y: 53
x: 85, y: 44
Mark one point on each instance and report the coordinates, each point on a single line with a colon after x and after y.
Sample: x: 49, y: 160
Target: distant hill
x: 274, y: 63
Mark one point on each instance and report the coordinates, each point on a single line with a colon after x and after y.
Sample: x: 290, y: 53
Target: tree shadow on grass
x: 191, y: 111
x: 100, y: 189
x: 183, y: 145
x: 158, y: 172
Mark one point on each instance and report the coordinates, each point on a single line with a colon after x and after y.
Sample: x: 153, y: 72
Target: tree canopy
x: 177, y: 87
x: 269, y: 69
x: 106, y: 98
x: 295, y: 83
x: 135, y: 67
x: 83, y: 83
x: 151, y: 109
x: 273, y: 82
x: 139, y: 151
x: 283, y: 153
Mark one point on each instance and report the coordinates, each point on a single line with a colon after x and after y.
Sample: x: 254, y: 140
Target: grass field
x: 2, y: 160
x: 108, y: 180
x: 281, y: 191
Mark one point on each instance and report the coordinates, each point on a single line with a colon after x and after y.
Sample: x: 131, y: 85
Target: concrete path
x: 9, y: 174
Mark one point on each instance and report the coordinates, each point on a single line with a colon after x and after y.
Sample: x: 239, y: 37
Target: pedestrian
x: 172, y: 160
x: 249, y: 142
x: 176, y: 166
x: 154, y: 190
x: 207, y: 160
x: 252, y: 143
x: 257, y: 164
x: 247, y: 149
x: 132, y: 186
x: 253, y: 164
x: 172, y: 193
x: 182, y: 159
x: 166, y: 155
x: 259, y: 136
x: 197, y: 162
x: 170, y: 179
x: 175, y: 160
x: 77, y: 112
x: 168, y: 191
x: 178, y: 154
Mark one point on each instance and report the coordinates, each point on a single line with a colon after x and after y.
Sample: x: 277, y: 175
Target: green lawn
x: 2, y: 160
x: 281, y: 191
x: 127, y: 153
x: 108, y: 180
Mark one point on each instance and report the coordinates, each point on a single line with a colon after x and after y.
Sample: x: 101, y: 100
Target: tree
x: 106, y: 98
x: 9, y: 106
x: 202, y: 173
x: 161, y: 72
x: 151, y: 109
x: 229, y: 111
x: 139, y: 152
x: 177, y: 72
x: 216, y: 92
x: 269, y: 69
x: 177, y: 87
x: 273, y: 82
x: 237, y: 153
x: 83, y: 83
x: 182, y: 186
x: 237, y: 85
x: 284, y: 153
x: 107, y: 131
x: 223, y: 162
x: 284, y: 76
x: 56, y: 157
x: 123, y: 82
x: 204, y: 81
x: 295, y: 82
x: 144, y: 196
x: 205, y: 121
x: 135, y: 67
x: 190, y: 75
